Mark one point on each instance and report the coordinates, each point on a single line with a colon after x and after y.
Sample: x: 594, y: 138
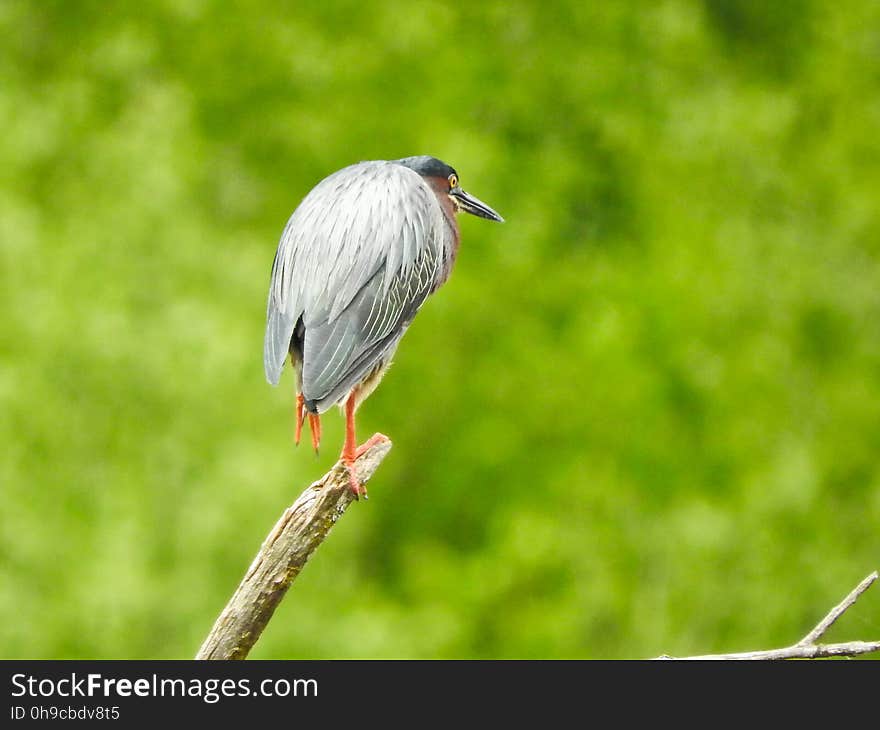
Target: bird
x: 357, y: 259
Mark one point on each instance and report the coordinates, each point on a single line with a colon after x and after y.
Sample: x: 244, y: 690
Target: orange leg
x: 300, y: 415
x: 350, y: 449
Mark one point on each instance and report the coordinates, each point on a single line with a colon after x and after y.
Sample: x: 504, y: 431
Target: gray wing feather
x: 356, y: 260
x: 339, y: 353
x: 279, y: 330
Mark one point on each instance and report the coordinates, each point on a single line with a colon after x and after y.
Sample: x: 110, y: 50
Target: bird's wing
x: 357, y: 259
x: 338, y: 353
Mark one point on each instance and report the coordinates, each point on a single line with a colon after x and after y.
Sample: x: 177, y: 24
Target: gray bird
x: 356, y: 261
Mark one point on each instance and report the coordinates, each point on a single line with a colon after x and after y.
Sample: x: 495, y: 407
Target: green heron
x: 357, y: 259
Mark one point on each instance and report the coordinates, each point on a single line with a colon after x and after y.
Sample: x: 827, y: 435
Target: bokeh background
x: 643, y: 416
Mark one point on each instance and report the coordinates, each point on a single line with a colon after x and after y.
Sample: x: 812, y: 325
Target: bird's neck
x: 441, y: 186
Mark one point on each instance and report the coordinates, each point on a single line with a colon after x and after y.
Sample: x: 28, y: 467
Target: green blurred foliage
x: 643, y: 416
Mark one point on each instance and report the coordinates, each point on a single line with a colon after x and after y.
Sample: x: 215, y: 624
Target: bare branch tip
x: 807, y: 648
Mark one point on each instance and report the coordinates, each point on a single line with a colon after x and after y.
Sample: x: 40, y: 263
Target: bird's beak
x: 469, y: 204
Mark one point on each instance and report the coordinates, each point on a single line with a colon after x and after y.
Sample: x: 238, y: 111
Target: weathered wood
x: 301, y: 529
x: 307, y: 522
x: 807, y: 651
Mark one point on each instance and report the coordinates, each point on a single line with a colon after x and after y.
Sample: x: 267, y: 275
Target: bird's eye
x: 453, y: 181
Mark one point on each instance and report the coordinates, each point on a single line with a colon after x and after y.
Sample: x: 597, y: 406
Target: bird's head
x: 444, y: 180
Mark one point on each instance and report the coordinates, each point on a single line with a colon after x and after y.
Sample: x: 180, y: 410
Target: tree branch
x: 301, y: 529
x: 807, y: 648
x: 307, y: 522
x: 838, y: 611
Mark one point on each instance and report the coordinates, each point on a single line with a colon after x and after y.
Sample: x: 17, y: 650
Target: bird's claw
x: 357, y: 489
x: 374, y: 440
x: 315, y: 428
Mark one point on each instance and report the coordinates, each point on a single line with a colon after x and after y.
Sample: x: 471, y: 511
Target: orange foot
x: 300, y: 415
x: 314, y: 423
x: 315, y: 428
x: 360, y: 490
